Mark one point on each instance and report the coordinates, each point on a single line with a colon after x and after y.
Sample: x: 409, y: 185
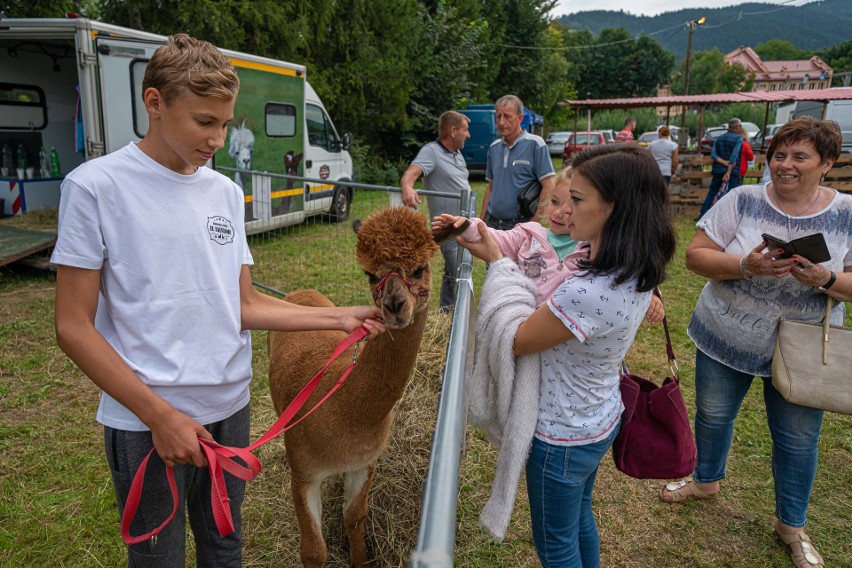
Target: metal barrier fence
x: 437, y: 535
x: 293, y: 250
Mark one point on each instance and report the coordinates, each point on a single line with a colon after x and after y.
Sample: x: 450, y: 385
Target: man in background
x: 626, y: 133
x: 514, y: 161
x: 443, y: 169
x: 726, y: 162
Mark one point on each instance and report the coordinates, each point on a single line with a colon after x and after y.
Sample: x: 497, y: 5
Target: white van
x: 74, y: 86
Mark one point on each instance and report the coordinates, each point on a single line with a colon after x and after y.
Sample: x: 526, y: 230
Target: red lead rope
x: 220, y: 457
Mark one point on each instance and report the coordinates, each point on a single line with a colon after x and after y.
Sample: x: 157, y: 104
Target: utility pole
x: 692, y: 25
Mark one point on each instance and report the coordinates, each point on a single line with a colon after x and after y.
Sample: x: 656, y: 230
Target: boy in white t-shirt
x: 154, y: 301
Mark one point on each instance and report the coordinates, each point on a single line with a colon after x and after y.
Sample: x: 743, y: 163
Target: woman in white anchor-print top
x: 618, y: 205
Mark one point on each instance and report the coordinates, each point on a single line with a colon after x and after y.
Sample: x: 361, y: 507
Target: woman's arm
x: 542, y: 330
x: 706, y: 258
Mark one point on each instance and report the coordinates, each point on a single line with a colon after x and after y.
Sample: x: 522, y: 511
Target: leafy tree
x: 39, y: 8
x: 710, y: 73
x: 838, y: 56
x: 781, y: 50
x: 616, y: 64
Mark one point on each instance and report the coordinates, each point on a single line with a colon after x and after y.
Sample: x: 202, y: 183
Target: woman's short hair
x: 185, y: 64
x: 638, y: 238
x: 823, y: 135
x: 663, y: 132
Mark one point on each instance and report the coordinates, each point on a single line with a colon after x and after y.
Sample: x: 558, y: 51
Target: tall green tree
x: 615, y: 64
x: 838, y: 56
x: 710, y: 73
x: 781, y: 50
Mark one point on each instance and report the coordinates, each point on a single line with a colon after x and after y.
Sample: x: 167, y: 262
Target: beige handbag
x: 812, y: 365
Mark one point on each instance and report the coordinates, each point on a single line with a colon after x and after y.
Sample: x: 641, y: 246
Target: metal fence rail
x: 437, y: 533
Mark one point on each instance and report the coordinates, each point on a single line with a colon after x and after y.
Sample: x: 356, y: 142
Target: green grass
x: 57, y: 506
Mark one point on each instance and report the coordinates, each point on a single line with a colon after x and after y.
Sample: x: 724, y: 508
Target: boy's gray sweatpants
x: 125, y: 450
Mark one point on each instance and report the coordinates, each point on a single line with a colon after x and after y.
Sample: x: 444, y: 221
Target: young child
x: 154, y: 301
x: 548, y: 256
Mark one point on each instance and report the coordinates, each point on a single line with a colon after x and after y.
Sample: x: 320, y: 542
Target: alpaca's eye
x: 419, y: 272
x: 372, y: 277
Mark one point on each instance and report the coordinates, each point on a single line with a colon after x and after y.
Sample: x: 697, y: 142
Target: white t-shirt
x: 579, y: 396
x: 170, y: 248
x: 662, y: 150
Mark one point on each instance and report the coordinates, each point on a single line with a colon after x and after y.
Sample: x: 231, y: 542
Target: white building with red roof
x: 796, y: 75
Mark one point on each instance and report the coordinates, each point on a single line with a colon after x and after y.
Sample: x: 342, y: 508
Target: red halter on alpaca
x: 406, y: 281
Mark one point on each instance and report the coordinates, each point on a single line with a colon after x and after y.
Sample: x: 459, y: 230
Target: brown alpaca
x: 348, y: 433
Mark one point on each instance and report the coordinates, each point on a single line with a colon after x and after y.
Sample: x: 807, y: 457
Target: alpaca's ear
x: 356, y: 225
x: 441, y: 235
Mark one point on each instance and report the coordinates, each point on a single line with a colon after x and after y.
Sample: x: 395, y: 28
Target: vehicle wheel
x: 339, y: 205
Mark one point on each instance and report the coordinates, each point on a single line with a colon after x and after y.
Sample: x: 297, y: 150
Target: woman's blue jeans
x: 795, y: 430
x: 560, y: 480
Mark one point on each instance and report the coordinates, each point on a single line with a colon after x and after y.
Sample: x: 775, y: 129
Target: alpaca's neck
x: 386, y: 365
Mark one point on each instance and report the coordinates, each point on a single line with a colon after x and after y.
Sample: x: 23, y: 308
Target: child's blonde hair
x: 562, y: 178
x: 186, y: 64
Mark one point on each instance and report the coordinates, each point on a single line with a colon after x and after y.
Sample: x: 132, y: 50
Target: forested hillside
x: 810, y: 27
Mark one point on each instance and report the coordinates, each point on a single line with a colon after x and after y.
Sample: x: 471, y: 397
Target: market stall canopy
x: 776, y: 97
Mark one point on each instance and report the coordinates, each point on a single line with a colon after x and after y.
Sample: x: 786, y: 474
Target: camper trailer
x: 70, y: 91
x: 839, y: 111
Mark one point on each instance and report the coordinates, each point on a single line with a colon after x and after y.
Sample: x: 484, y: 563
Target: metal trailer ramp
x: 16, y: 244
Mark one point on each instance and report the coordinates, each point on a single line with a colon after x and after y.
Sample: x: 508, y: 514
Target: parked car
x: 646, y: 138
x: 750, y: 127
x: 609, y: 135
x: 556, y: 142
x: 765, y: 138
x: 705, y: 146
x: 580, y: 140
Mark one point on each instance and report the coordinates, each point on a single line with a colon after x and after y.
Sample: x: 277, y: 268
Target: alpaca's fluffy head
x: 397, y: 240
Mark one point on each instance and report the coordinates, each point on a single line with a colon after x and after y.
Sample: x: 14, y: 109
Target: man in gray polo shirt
x: 513, y: 163
x: 443, y: 169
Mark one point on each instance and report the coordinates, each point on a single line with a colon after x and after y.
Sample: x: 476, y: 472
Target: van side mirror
x: 347, y: 141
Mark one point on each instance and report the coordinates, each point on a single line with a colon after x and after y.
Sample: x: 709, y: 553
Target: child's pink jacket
x: 527, y: 245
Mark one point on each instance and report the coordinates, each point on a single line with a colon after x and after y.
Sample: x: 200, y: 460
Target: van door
x: 324, y: 158
x: 122, y: 66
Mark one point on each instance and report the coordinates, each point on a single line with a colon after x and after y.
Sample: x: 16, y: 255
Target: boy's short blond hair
x: 186, y: 64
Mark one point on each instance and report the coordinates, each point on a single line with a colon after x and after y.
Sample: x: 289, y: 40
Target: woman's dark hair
x: 824, y: 135
x: 638, y: 239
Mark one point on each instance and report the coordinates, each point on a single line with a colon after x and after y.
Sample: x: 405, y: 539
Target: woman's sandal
x: 804, y: 555
x: 683, y: 490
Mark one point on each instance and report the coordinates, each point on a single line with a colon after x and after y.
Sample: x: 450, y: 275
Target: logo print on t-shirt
x: 220, y: 230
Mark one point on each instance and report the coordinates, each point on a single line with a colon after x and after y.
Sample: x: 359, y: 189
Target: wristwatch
x: 830, y: 282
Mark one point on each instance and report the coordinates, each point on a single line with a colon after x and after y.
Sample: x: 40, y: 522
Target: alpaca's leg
x: 356, y: 489
x: 308, y: 504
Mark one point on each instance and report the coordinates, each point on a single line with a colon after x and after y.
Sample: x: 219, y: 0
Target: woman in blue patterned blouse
x: 750, y: 289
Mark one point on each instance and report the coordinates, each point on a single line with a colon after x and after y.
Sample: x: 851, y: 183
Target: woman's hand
x: 808, y: 273
x: 759, y: 263
x: 486, y: 249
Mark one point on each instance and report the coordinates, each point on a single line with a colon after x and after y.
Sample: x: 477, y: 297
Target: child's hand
x: 486, y: 249
x: 175, y: 437
x: 656, y: 311
x: 445, y: 226
x: 446, y: 221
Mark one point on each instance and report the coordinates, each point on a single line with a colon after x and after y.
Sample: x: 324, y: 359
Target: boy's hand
x: 368, y: 316
x: 656, y: 311
x: 176, y: 439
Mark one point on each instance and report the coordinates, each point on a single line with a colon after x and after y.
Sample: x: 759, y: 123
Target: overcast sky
x: 654, y: 7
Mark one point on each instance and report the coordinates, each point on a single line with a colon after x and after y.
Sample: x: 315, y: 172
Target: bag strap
x: 670, y: 355
x: 826, y: 325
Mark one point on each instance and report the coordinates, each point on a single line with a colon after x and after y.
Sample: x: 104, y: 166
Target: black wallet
x: 812, y: 247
